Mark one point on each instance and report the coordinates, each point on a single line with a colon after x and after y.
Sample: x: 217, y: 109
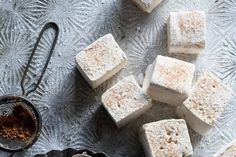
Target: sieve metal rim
x: 38, y: 117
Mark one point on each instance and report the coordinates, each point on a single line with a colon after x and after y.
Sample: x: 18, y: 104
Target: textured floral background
x: 71, y: 110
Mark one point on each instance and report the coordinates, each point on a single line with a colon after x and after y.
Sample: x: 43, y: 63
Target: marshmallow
x: 166, y: 138
x: 147, y: 5
x: 186, y: 32
x: 126, y: 101
x: 228, y: 151
x: 169, y: 80
x: 101, y: 60
x: 205, y: 104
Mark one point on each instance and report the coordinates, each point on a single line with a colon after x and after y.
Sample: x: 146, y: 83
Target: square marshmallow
x: 147, y: 5
x: 101, y: 60
x: 227, y: 151
x: 186, y: 32
x: 205, y: 104
x: 166, y: 138
x: 169, y: 80
x: 126, y: 101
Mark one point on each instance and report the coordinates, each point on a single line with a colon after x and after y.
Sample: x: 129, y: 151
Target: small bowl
x: 15, y: 145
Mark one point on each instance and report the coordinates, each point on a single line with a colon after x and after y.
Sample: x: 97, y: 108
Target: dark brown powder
x: 20, y: 125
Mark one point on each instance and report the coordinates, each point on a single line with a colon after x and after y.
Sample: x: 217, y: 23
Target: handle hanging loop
x: 46, y: 26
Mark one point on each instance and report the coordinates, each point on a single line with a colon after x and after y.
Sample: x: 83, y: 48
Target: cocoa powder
x: 20, y: 125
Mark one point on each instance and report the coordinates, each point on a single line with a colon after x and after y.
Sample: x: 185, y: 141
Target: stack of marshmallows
x: 167, y: 80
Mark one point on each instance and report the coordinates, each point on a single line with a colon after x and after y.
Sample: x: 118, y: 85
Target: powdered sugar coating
x: 173, y: 74
x: 166, y: 138
x: 208, y: 99
x: 186, y: 32
x: 169, y: 77
x: 205, y: 104
x: 125, y: 101
x: 102, y: 59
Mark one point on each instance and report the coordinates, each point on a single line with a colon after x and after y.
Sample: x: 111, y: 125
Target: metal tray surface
x: 72, y: 113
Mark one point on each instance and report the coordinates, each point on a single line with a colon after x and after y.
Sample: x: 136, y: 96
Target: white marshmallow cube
x: 227, y: 151
x: 101, y: 60
x: 186, y: 32
x: 147, y: 5
x: 169, y: 80
x: 126, y: 101
x: 205, y: 104
x: 166, y: 138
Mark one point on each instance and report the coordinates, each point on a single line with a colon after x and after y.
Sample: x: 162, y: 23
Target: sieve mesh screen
x: 18, y: 123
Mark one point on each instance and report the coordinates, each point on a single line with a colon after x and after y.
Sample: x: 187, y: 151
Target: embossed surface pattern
x: 71, y: 110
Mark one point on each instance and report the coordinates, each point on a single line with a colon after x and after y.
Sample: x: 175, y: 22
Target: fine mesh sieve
x: 8, y: 107
x: 16, y: 108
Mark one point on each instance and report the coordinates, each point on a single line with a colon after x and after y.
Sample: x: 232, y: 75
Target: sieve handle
x: 35, y: 86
